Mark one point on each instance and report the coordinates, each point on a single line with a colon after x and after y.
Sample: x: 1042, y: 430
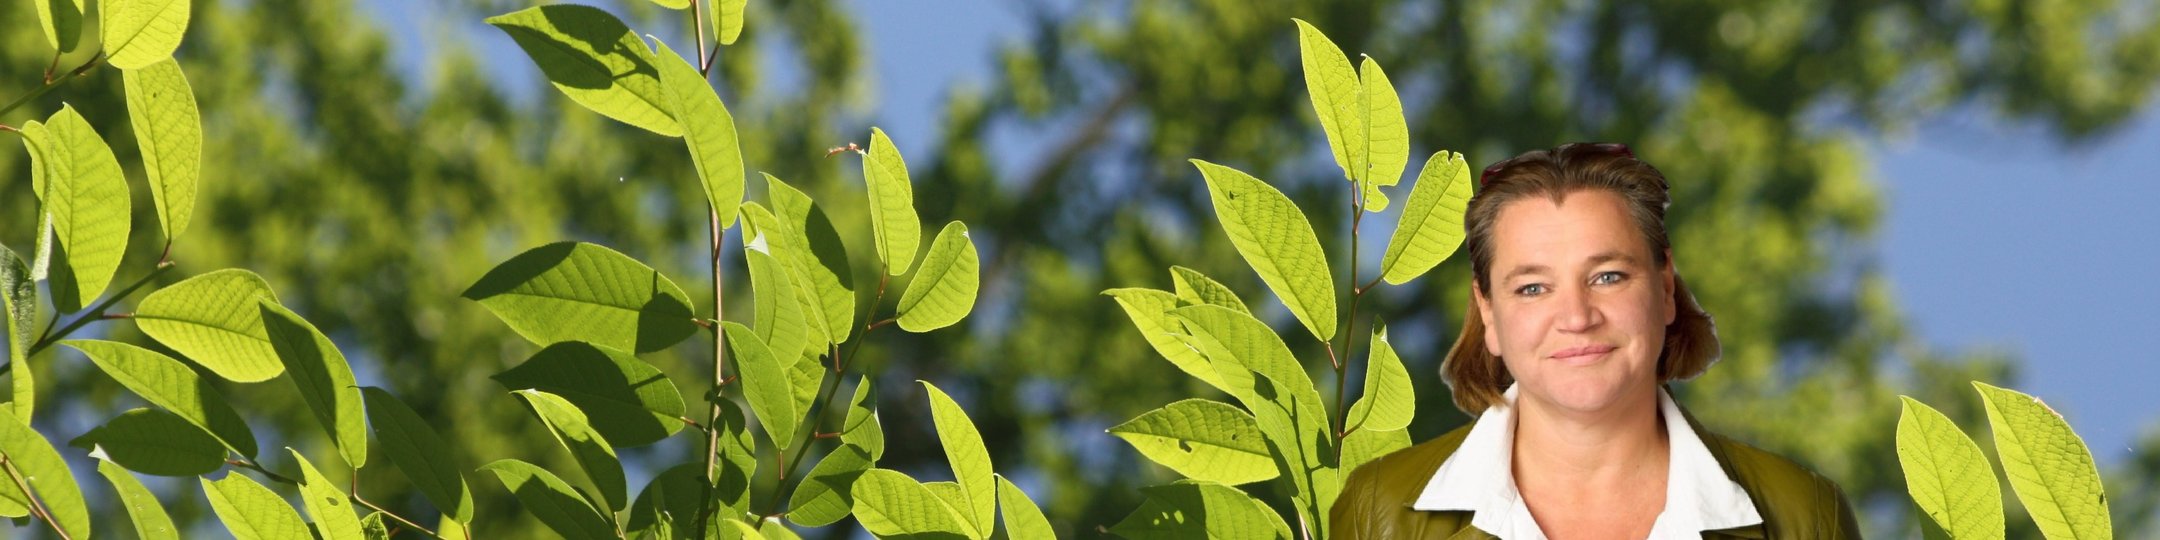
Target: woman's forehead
x: 1580, y: 229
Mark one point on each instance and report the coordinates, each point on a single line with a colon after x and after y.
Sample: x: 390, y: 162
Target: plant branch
x: 37, y: 507
x: 1349, y: 330
x: 713, y: 429
x: 51, y: 83
x: 96, y: 313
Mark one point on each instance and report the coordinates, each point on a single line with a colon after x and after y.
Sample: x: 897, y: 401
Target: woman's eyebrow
x: 1526, y: 270
x: 1611, y: 256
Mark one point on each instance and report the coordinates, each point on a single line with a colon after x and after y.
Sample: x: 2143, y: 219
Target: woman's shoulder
x: 1791, y: 498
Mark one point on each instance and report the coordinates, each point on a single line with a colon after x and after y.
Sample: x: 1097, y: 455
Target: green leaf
x: 586, y: 292
x: 1335, y: 94
x: 167, y: 383
x: 251, y: 511
x: 1261, y: 372
x: 970, y: 460
x: 1387, y: 136
x: 592, y: 57
x: 823, y: 497
x: 889, y: 503
x: 778, y: 303
x: 628, y: 400
x: 373, y: 528
x: 139, y: 33
x: 707, y: 129
x: 1194, y: 287
x: 861, y: 428
x: 334, y: 516
x: 90, y: 205
x: 766, y: 382
x: 1189, y: 509
x: 893, y: 224
x: 673, y: 4
x: 151, y: 441
x: 13, y: 503
x: 738, y: 460
x: 1364, y: 445
x: 814, y: 251
x: 1272, y: 235
x: 1389, y: 401
x: 1946, y: 473
x: 671, y: 498
x: 151, y: 522
x: 1149, y: 310
x: 1022, y: 518
x: 943, y: 291
x: 2049, y: 466
x: 168, y: 131
x: 805, y: 378
x: 47, y: 474
x: 774, y: 530
x: 213, y: 319
x: 1432, y: 223
x: 548, y: 498
x: 62, y: 22
x: 1203, y: 440
x: 769, y: 237
x: 325, y: 380
x: 744, y: 531
x: 575, y: 432
x: 728, y: 19
x: 418, y: 450
x: 18, y: 320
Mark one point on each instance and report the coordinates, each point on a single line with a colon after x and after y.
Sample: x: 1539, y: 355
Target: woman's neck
x: 1590, y: 449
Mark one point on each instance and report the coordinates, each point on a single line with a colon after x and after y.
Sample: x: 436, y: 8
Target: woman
x: 1578, y: 321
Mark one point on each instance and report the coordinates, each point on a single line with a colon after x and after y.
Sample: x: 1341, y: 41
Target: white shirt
x: 1479, y: 478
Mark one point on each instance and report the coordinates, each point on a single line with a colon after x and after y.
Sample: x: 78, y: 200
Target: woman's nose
x: 1578, y: 313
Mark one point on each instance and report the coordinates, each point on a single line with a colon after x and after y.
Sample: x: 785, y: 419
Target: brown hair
x: 1477, y: 377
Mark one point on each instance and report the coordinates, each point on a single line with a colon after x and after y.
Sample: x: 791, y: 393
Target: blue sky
x: 1994, y: 239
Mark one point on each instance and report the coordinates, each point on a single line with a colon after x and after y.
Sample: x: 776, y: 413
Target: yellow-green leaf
x: 631, y: 402
x: 90, y: 205
x: 575, y: 291
x: 765, y: 381
x: 575, y: 432
x: 2049, y: 466
x: 738, y: 460
x: 1946, y: 473
x: 893, y: 224
x: 1022, y: 518
x: 1194, y: 287
x: 149, y: 517
x: 212, y: 319
x: 673, y: 4
x: 1387, y: 136
x: 1273, y: 236
x: 325, y: 380
x: 861, y: 428
x: 151, y: 441
x: 728, y: 20
x: 326, y: 502
x: 943, y: 290
x: 889, y: 503
x: 18, y: 321
x: 594, y: 59
x: 139, y: 33
x: 168, y: 131
x: 970, y: 460
x: 418, y: 450
x: 1260, y: 371
x: 47, y: 474
x: 814, y: 251
x: 823, y: 497
x: 1364, y: 445
x: 550, y: 499
x: 62, y: 22
x: 1189, y: 509
x: 251, y: 511
x: 1389, y: 401
x: 1431, y: 227
x: 1203, y: 440
x: 777, y: 303
x: 1333, y: 87
x: 707, y: 129
x: 1149, y: 310
x: 167, y: 383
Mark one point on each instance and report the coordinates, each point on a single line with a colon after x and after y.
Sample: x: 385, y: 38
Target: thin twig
x: 37, y: 507
x: 54, y: 83
x: 96, y: 313
x: 354, y: 495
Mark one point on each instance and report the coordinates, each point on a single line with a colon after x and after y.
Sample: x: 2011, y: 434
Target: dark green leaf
x: 325, y: 380
x: 628, y: 400
x: 575, y: 432
x: 416, y: 448
x: 548, y: 498
x: 586, y: 292
x: 151, y: 441
x: 592, y: 57
x: 167, y: 383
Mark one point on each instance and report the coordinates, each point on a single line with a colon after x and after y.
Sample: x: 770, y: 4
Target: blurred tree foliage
x: 372, y: 192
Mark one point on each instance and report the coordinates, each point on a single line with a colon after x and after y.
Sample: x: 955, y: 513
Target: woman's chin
x: 1584, y: 394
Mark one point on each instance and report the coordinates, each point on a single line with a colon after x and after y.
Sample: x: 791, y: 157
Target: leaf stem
x: 51, y: 83
x: 1342, y: 369
x: 96, y: 313
x: 712, y: 433
x: 354, y: 495
x: 37, y: 507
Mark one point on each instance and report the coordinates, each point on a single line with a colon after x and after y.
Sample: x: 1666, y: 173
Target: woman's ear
x: 1672, y: 289
x: 1485, y: 315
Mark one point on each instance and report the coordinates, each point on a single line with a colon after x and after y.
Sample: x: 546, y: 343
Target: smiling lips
x: 1583, y: 354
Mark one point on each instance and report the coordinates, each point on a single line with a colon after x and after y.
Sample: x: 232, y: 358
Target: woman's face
x: 1577, y: 307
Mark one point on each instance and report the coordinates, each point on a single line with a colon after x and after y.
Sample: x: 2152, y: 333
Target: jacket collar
x: 1700, y: 495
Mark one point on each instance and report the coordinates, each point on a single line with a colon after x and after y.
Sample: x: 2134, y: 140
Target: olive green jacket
x: 1793, y: 501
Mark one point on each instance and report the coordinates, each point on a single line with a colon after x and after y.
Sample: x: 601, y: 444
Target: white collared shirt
x: 1479, y: 478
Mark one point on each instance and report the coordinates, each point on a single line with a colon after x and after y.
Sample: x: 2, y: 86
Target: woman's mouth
x: 1583, y: 354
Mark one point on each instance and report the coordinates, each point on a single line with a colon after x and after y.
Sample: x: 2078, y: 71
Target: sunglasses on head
x: 1571, y: 150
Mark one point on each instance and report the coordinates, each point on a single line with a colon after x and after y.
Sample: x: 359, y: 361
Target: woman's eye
x: 1608, y: 278
x: 1533, y: 289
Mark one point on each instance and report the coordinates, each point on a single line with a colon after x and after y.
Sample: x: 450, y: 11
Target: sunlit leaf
x: 138, y: 33
x: 893, y: 224
x: 324, y: 501
x: 592, y: 452
x: 728, y: 20
x: 167, y: 383
x: 1364, y: 445
x: 594, y: 59
x: 325, y: 380
x: 550, y: 499
x: 765, y: 381
x: 861, y: 429
x: 1946, y: 473
x: 823, y: 498
x: 1189, y: 509
x: 1387, y: 136
x: 1203, y: 440
x: 90, y: 204
x: 738, y: 460
x: 1431, y: 227
x: 1149, y: 310
x: 1261, y: 372
x: 18, y: 321
x: 418, y: 450
x: 777, y: 301
x: 1389, y: 401
x: 251, y: 511
x: 47, y: 475
x: 707, y: 129
x: 586, y: 292
x: 814, y: 251
x: 1333, y: 87
x: 889, y: 503
x: 628, y: 400
x: 1196, y: 288
x: 168, y: 131
x: 2049, y: 466
x: 151, y: 441
x: 1275, y: 239
x: 943, y: 289
x: 213, y: 320
x: 969, y: 458
x: 1022, y: 518
x: 62, y: 22
x: 149, y: 517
